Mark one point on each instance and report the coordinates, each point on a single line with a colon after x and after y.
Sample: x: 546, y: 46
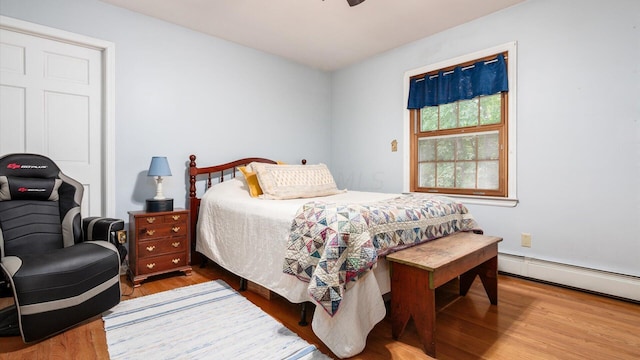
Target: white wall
x: 578, y: 127
x: 180, y: 92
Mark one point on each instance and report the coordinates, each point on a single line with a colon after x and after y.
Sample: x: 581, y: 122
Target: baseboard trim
x: 602, y: 282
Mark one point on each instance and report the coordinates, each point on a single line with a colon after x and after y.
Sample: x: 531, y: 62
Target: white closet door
x: 51, y: 104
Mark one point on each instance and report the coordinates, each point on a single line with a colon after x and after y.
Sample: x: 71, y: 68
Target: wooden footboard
x: 210, y: 175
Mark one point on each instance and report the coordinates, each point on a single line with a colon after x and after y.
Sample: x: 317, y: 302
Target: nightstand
x: 159, y: 243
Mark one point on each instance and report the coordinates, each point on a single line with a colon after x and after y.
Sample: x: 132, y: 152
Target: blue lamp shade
x: 159, y: 166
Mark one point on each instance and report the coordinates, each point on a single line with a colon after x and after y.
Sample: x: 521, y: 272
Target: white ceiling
x: 324, y: 34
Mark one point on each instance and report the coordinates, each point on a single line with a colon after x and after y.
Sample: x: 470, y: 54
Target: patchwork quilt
x: 332, y: 244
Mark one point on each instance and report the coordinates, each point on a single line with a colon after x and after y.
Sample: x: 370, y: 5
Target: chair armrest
x: 102, y: 228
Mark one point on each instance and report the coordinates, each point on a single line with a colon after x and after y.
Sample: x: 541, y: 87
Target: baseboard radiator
x: 621, y: 286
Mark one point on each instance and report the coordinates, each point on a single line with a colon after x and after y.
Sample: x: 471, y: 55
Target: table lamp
x: 158, y: 168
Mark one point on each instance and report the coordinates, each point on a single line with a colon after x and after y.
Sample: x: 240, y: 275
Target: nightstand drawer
x: 161, y: 219
x: 161, y: 263
x: 162, y: 246
x: 162, y: 230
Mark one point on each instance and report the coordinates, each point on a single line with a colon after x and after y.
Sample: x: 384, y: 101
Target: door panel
x: 12, y: 58
x: 12, y: 118
x: 66, y: 68
x: 67, y: 127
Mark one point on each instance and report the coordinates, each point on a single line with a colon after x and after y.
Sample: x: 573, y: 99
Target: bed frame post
x: 194, y: 205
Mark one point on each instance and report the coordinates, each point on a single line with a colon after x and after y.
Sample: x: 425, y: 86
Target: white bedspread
x: 248, y: 236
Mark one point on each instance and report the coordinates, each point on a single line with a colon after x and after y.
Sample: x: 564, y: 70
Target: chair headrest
x: 18, y: 188
x: 28, y: 165
x: 28, y: 177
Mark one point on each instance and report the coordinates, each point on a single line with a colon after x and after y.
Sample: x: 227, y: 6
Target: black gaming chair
x: 62, y: 270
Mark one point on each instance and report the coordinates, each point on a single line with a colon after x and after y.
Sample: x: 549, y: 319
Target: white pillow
x: 295, y: 181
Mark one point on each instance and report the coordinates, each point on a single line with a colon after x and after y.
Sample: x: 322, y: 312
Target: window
x: 460, y: 144
x: 460, y: 147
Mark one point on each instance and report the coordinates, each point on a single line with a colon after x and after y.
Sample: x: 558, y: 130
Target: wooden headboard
x: 207, y: 174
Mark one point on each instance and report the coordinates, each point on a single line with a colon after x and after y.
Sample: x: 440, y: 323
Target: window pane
x: 468, y: 161
x: 469, y: 112
x: 429, y: 118
x: 426, y: 150
x: 466, y: 148
x: 449, y: 116
x: 446, y: 175
x: 427, y: 175
x: 490, y: 109
x: 488, y: 175
x: 488, y: 146
x: 466, y: 175
x: 446, y: 149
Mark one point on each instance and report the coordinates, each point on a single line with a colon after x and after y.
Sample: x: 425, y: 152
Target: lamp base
x: 159, y: 205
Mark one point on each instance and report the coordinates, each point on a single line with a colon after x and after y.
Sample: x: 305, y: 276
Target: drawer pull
x: 175, y: 229
x: 175, y: 261
x: 151, y: 232
x: 150, y: 220
x: 175, y: 244
x: 150, y: 248
x: 151, y: 266
x: 175, y: 217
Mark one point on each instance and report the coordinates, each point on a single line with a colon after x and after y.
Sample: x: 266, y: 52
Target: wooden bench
x: 416, y: 272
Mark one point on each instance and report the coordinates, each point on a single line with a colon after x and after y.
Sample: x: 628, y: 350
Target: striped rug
x: 203, y: 321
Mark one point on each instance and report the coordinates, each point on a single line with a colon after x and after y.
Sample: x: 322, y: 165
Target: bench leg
x: 488, y: 273
x: 411, y: 297
x: 424, y: 318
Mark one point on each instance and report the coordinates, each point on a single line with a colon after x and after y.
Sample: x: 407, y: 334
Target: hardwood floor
x: 531, y: 321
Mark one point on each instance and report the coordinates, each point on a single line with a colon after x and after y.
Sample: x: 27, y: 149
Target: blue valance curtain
x: 483, y: 78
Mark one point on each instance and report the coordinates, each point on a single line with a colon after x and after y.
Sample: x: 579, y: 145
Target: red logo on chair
x: 24, y: 189
x: 13, y: 166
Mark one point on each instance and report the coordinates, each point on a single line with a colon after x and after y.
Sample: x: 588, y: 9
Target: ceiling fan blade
x: 354, y: 2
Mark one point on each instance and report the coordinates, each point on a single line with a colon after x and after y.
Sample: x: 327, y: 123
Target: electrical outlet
x: 525, y: 240
x: 122, y: 236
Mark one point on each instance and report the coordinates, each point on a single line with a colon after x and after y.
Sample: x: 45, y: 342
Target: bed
x: 265, y: 239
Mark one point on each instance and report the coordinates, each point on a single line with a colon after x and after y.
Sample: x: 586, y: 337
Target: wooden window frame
x: 501, y: 128
x: 506, y: 195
